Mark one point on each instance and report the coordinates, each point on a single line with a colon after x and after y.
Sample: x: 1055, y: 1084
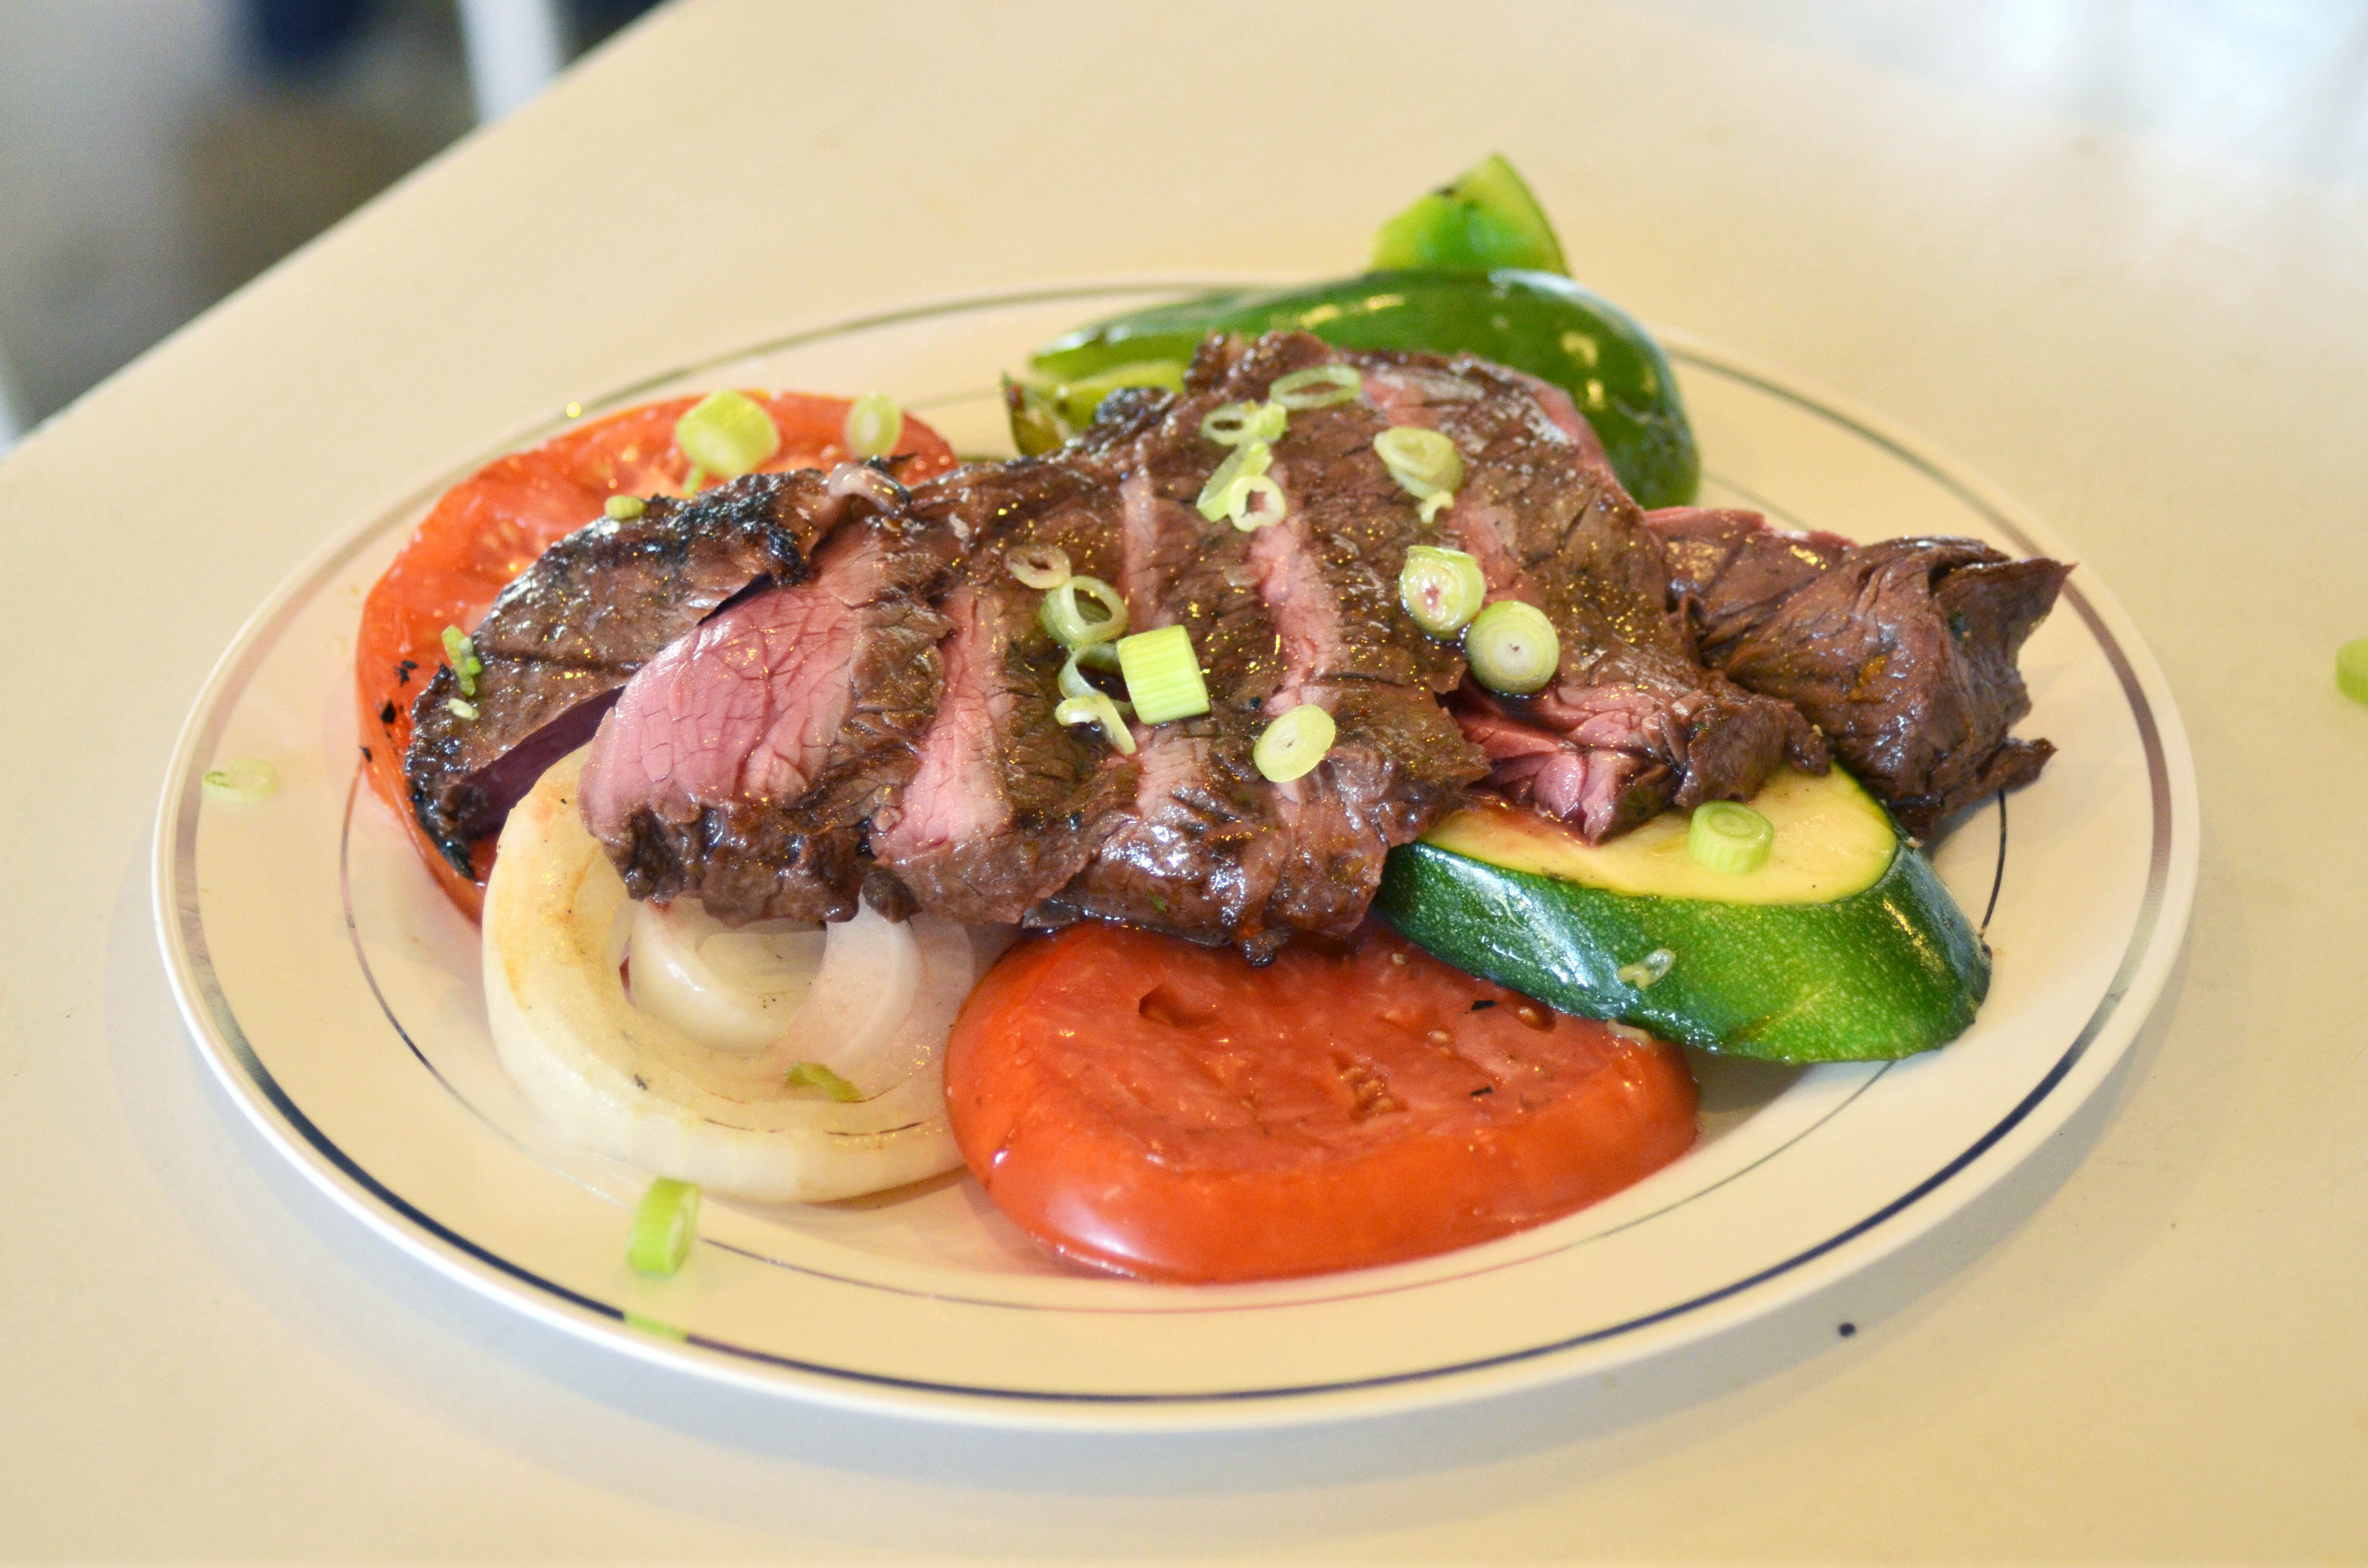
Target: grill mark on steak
x: 1300, y: 611
x: 560, y: 642
x: 1631, y: 724
x: 1007, y: 804
x: 741, y: 765
x: 1903, y: 653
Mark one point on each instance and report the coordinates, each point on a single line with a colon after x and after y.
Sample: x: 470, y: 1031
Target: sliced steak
x: 561, y: 640
x: 1729, y: 570
x: 1007, y: 805
x: 1632, y: 723
x: 1904, y: 654
x: 741, y: 763
x: 1304, y: 610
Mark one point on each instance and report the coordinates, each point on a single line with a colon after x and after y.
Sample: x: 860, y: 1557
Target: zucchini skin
x: 1537, y: 322
x: 1891, y: 970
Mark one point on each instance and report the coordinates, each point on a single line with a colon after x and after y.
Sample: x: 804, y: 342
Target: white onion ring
x: 631, y: 1085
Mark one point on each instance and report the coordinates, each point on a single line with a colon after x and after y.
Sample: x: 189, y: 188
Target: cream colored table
x: 2116, y: 267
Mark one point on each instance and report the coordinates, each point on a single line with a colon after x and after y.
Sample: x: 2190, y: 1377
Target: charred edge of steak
x: 1902, y: 653
x: 560, y: 640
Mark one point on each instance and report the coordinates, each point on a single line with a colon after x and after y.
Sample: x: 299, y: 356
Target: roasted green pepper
x: 1537, y: 322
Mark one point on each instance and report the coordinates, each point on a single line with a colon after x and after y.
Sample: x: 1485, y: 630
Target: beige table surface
x: 2116, y: 255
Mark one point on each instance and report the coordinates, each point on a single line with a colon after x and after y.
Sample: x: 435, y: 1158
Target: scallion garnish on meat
x: 1095, y: 707
x: 624, y: 508
x: 725, y: 435
x: 1238, y: 422
x: 1163, y: 674
x: 1040, y: 566
x: 1442, y: 589
x: 1294, y: 743
x: 1512, y: 647
x: 1225, y: 492
x: 462, y: 654
x: 1424, y: 462
x: 1064, y: 619
x: 1318, y: 386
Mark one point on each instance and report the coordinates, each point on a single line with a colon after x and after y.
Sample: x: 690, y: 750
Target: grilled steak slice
x: 1903, y: 653
x: 561, y: 640
x: 1632, y: 723
x: 1304, y: 610
x: 740, y: 765
x: 1729, y: 570
x: 1007, y: 805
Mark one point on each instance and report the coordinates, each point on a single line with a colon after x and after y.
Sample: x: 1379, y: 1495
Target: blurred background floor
x: 154, y: 154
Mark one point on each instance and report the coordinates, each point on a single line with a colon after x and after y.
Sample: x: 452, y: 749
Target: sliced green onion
x: 1434, y: 504
x: 663, y: 1227
x: 624, y: 508
x: 1249, y: 461
x: 693, y: 481
x: 459, y: 709
x: 727, y: 434
x: 2352, y: 669
x: 1729, y: 838
x: 1072, y: 679
x: 1294, y: 742
x: 1257, y: 503
x: 815, y: 1075
x: 1097, y: 708
x: 1647, y: 972
x: 1424, y: 462
x: 1101, y: 656
x: 1318, y: 386
x: 1512, y: 647
x: 462, y: 654
x: 1442, y: 589
x: 1061, y: 615
x: 1240, y: 421
x: 873, y: 424
x: 242, y: 778
x: 1039, y: 566
x: 1163, y: 674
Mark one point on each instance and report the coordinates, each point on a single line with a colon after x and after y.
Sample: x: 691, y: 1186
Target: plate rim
x: 2156, y: 936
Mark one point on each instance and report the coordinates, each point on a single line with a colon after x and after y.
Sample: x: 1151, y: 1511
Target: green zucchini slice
x: 1845, y: 946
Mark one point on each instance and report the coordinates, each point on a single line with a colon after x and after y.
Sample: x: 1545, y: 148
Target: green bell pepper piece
x: 1537, y: 322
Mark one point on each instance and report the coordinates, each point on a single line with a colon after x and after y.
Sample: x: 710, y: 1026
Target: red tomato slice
x: 1161, y: 1109
x: 490, y: 527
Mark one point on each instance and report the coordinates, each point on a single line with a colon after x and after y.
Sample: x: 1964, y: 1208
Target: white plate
x: 335, y: 993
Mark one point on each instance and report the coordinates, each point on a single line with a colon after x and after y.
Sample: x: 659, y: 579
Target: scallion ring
x: 1062, y: 616
x: 1237, y: 422
x: 1256, y: 503
x: 1442, y: 589
x: 1095, y: 707
x: 815, y: 1075
x: 874, y: 426
x: 1072, y: 679
x: 624, y: 508
x: 1318, y: 386
x: 1040, y: 566
x: 725, y: 434
x: 1290, y: 747
x: 663, y: 1227
x: 463, y: 711
x: 462, y: 654
x: 1424, y: 462
x: 1728, y: 837
x: 1163, y: 674
x: 1512, y: 647
x: 242, y: 778
x: 1248, y: 461
x: 1435, y: 503
x: 1647, y: 972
